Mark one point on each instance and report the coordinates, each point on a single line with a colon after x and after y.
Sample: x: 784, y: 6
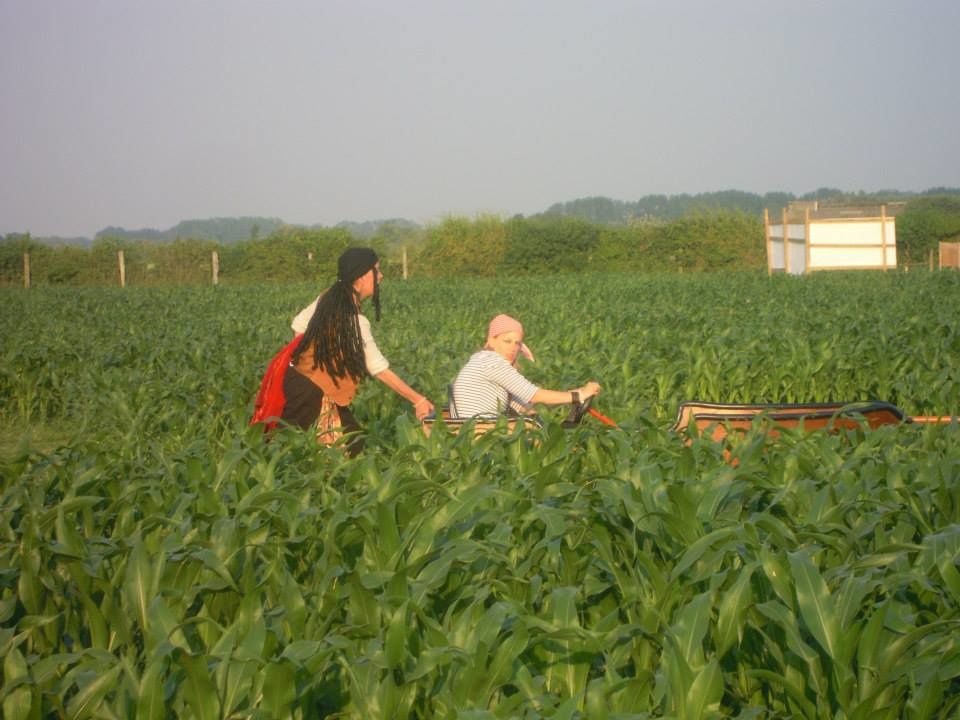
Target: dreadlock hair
x: 376, y: 296
x: 334, y: 333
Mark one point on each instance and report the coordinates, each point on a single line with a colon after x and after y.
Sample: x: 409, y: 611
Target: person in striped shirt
x: 490, y: 384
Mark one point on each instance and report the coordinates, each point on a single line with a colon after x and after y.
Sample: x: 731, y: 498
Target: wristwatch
x: 575, y: 397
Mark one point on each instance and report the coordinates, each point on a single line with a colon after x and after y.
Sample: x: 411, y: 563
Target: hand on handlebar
x: 422, y: 408
x: 589, y: 390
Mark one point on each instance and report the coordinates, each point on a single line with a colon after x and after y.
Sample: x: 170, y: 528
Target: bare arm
x: 559, y: 397
x: 421, y: 405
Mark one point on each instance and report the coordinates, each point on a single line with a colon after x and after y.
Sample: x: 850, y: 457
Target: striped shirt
x: 487, y: 385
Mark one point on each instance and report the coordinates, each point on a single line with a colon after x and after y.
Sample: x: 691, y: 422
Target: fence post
x: 123, y: 269
x: 883, y: 234
x: 766, y: 233
x: 215, y: 262
x: 931, y: 260
x: 404, y: 262
x: 26, y: 270
x: 786, y: 245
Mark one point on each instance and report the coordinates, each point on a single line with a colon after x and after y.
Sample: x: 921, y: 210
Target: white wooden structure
x: 808, y: 238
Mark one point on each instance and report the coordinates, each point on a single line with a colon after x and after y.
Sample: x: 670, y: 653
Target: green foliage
x: 597, y: 209
x: 291, y: 254
x: 220, y: 230
x: 721, y: 241
x: 651, y: 208
x: 459, y: 247
x: 924, y: 224
x: 706, y: 234
x: 626, y: 248
x: 658, y: 208
x: 12, y: 248
x: 548, y: 245
x: 395, y: 230
x: 528, y: 246
x: 162, y: 560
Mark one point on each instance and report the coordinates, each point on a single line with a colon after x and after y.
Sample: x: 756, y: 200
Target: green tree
x: 12, y: 249
x: 288, y: 254
x: 459, y: 246
x: 923, y: 224
x: 547, y: 244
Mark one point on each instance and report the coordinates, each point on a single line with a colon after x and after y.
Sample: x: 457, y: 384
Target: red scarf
x: 268, y: 407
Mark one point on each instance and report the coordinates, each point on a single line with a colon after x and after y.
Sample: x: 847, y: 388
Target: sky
x: 143, y: 113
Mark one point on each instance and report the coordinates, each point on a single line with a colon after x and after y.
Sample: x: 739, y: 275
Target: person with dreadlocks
x: 332, y: 352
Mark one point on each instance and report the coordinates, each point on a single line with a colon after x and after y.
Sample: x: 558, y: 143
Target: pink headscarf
x: 503, y: 324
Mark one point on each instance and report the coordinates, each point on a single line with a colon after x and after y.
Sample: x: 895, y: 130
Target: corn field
x: 159, y: 559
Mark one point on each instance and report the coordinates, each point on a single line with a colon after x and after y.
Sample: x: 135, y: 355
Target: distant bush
x: 483, y: 246
x: 462, y: 247
x: 549, y: 245
x: 924, y: 224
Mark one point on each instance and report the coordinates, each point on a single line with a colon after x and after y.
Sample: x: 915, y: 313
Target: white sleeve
x: 376, y: 362
x: 302, y: 319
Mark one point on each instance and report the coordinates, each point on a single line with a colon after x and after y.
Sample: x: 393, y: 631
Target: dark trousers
x: 302, y: 408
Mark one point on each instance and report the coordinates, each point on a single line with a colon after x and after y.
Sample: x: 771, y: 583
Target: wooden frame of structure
x: 949, y: 255
x: 809, y: 238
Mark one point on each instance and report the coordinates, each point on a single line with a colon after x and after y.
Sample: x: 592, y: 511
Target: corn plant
x: 159, y: 558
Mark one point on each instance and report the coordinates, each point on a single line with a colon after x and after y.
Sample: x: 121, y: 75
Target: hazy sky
x: 143, y: 113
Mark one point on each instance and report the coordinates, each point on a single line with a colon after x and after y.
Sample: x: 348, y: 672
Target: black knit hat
x: 354, y: 263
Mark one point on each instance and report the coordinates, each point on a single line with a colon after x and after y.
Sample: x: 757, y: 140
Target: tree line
x: 485, y: 245
x: 671, y: 207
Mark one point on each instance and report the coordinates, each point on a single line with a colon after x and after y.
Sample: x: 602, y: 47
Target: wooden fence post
x: 883, y: 235
x: 931, y: 261
x: 215, y: 262
x: 26, y: 270
x: 786, y: 245
x: 404, y: 262
x: 766, y: 234
x: 123, y: 269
